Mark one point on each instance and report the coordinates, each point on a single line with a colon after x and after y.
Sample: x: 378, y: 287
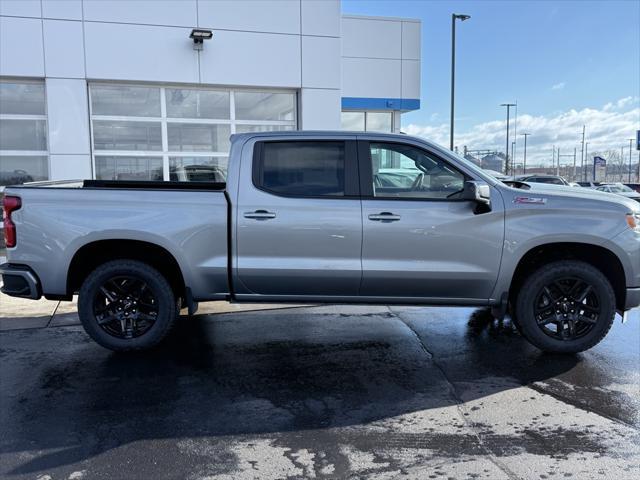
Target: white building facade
x: 114, y: 89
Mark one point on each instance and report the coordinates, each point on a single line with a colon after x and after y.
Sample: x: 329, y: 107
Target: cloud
x: 558, y: 86
x: 608, y: 127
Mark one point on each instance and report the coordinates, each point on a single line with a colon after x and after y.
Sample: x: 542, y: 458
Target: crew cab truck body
x: 327, y: 217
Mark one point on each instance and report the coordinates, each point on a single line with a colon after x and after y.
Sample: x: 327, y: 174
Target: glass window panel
x: 379, y: 121
x: 353, y: 121
x: 189, y: 103
x: 193, y: 137
x: 198, y: 169
x: 16, y: 169
x: 265, y: 106
x: 305, y: 169
x: 123, y: 100
x: 23, y: 134
x: 409, y: 172
x: 22, y: 98
x: 262, y: 128
x: 128, y: 168
x: 117, y: 135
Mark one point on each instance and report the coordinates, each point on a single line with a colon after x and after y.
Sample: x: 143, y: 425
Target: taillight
x: 10, y: 205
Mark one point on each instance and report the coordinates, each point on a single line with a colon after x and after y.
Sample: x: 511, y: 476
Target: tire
x: 126, y: 305
x: 558, y: 319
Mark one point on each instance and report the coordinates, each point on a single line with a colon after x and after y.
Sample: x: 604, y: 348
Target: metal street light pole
x: 524, y: 163
x: 506, y: 166
x: 462, y: 18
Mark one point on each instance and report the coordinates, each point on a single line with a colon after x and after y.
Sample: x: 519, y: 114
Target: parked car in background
x: 301, y: 219
x: 15, y: 177
x: 197, y: 173
x: 387, y: 177
x: 635, y: 186
x: 589, y: 184
x: 499, y: 175
x: 619, y: 189
x: 550, y: 179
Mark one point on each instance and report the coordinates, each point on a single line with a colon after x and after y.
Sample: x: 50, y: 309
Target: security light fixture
x: 462, y: 17
x: 199, y: 35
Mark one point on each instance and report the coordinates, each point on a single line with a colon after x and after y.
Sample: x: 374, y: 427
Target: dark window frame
x: 351, y: 173
x: 366, y: 173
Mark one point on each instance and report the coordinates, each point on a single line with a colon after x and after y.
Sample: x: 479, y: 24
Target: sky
x: 566, y: 63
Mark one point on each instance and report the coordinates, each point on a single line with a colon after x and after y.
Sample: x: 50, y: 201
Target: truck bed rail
x: 154, y: 185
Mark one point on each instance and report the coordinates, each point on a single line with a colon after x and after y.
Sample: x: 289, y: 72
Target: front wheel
x: 565, y: 307
x: 126, y: 305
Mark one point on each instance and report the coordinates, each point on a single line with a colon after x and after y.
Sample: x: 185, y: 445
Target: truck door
x: 419, y: 239
x: 299, y: 223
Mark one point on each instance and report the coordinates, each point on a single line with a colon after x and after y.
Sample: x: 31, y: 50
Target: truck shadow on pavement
x: 250, y: 374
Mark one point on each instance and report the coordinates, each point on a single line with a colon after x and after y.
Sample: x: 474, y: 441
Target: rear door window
x: 302, y: 168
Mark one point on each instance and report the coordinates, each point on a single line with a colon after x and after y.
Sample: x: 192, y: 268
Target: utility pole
x: 507, y: 166
x: 515, y: 135
x: 558, y: 169
x: 630, y: 149
x: 524, y: 162
x: 513, y: 158
x: 586, y: 159
x: 462, y: 18
x: 583, y: 173
x: 575, y: 150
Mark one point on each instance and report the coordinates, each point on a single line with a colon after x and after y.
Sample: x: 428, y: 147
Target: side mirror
x: 478, y: 192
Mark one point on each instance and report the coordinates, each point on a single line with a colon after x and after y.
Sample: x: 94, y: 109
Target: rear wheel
x: 566, y: 307
x: 127, y: 305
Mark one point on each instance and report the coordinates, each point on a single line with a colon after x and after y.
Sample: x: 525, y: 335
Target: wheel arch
x: 598, y: 256
x: 88, y: 257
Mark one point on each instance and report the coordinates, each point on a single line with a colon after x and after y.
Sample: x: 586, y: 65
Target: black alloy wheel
x: 567, y: 308
x: 125, y: 307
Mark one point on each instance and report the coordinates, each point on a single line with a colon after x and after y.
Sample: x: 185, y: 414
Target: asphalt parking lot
x: 321, y: 392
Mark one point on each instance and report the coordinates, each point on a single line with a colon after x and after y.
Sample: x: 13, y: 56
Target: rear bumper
x: 20, y: 281
x: 632, y: 299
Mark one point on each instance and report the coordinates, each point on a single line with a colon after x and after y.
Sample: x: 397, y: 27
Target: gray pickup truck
x: 327, y: 217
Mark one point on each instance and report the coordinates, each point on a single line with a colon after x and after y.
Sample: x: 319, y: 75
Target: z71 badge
x: 530, y: 200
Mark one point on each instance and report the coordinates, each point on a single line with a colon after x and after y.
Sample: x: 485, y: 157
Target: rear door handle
x: 384, y: 217
x: 260, y: 215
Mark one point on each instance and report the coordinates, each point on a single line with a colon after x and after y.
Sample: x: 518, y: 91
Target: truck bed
x: 188, y: 220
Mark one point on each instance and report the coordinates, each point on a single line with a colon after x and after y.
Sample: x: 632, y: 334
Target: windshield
x: 620, y: 189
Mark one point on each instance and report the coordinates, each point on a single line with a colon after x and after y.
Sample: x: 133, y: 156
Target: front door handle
x: 260, y: 215
x: 384, y: 217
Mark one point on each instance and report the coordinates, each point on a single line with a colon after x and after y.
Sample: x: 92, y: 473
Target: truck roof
x: 323, y: 133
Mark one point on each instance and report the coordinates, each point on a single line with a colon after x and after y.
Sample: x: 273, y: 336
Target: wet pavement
x: 322, y: 392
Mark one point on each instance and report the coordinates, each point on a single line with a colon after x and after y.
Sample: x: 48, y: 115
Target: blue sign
x: 599, y: 162
x: 637, y: 139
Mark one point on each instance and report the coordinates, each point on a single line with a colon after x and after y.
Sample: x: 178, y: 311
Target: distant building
x: 493, y: 161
